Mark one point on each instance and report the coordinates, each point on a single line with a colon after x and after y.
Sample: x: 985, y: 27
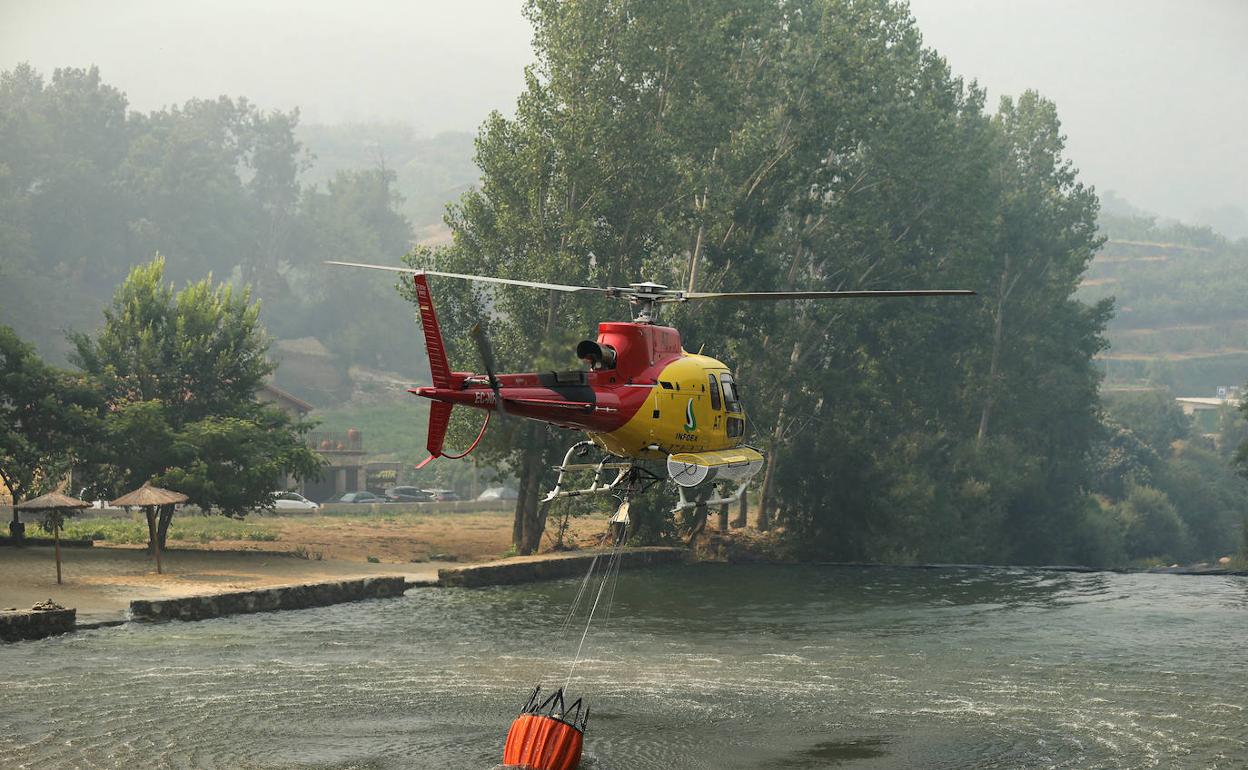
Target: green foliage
x: 180, y: 370
x: 1232, y: 431
x: 48, y: 419
x: 1145, y: 453
x: 1179, y: 290
x: 1100, y: 537
x: 1151, y: 525
x: 1121, y: 459
x: 229, y: 464
x: 195, y: 529
x: 428, y: 171
x: 87, y: 188
x: 1241, y: 451
x: 808, y: 145
x: 1154, y: 416
x: 200, y: 351
x: 1209, y: 498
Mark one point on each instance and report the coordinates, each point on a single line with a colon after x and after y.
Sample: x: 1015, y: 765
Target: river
x: 706, y: 666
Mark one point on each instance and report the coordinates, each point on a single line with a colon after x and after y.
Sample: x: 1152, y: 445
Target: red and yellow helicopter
x: 641, y: 396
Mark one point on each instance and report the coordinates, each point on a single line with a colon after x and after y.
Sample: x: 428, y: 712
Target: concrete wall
x: 526, y: 569
x: 33, y: 624
x: 459, y: 506
x: 267, y: 599
x: 43, y: 539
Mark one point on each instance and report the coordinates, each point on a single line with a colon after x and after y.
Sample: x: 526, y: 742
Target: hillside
x: 1181, y: 320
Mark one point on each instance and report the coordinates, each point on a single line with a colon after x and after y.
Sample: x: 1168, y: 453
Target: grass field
x: 388, y: 534
x: 191, y: 529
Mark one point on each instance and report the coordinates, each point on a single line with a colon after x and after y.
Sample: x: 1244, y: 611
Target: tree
x: 48, y: 419
x: 1209, y: 497
x: 1241, y: 454
x: 1152, y: 415
x: 812, y: 145
x: 1153, y: 528
x: 1120, y: 459
x: 180, y: 370
x: 213, y: 184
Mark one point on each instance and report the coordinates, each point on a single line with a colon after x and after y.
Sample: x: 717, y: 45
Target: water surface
x: 697, y: 667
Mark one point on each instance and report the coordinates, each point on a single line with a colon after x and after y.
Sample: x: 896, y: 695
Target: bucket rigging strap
x: 610, y: 573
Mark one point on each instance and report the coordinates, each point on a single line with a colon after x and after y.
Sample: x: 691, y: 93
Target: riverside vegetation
x: 725, y: 146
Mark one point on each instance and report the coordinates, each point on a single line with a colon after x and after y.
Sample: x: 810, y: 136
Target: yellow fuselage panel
x: 678, y: 415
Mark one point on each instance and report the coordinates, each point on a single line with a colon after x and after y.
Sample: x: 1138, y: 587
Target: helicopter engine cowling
x: 739, y: 465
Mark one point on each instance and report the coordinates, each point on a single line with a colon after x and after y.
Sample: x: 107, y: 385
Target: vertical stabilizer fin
x: 439, y: 369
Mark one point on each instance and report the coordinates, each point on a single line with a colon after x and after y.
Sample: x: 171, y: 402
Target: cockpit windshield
x: 731, y: 402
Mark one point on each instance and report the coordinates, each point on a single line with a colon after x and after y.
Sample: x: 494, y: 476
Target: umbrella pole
x: 56, y: 540
x: 156, y: 542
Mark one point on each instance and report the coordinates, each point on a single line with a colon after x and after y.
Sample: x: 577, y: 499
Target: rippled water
x: 698, y: 667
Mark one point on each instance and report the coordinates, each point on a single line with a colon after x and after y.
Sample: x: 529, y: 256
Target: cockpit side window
x: 731, y: 402
x: 714, y: 388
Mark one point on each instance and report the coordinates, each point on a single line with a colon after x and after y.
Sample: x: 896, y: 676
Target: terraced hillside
x: 1181, y: 302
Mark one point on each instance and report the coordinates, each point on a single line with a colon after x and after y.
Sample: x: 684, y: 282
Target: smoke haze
x: 1152, y: 93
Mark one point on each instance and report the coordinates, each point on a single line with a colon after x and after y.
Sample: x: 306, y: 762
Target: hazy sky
x: 1153, y: 94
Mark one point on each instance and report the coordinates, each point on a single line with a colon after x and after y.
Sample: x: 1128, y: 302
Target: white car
x: 498, y: 493
x: 292, y: 501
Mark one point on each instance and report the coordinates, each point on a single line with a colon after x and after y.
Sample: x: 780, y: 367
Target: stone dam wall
x: 35, y: 624
x: 295, y: 597
x: 526, y: 569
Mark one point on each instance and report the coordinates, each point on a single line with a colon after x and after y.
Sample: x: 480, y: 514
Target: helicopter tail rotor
x: 486, y: 351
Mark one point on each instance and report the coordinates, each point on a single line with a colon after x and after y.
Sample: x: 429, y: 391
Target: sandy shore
x: 101, y: 582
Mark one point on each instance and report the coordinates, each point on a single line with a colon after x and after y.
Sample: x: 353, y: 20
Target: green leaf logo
x: 690, y: 422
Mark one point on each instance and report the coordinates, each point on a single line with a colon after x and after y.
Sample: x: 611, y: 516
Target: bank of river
x: 703, y: 666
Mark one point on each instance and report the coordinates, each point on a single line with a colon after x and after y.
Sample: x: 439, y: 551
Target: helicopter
x: 640, y: 397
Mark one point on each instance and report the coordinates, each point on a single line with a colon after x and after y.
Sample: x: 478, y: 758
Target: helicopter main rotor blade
x: 777, y: 295
x: 481, y: 278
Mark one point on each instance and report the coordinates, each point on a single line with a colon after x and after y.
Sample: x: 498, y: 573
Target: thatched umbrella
x: 57, y: 507
x: 149, y: 498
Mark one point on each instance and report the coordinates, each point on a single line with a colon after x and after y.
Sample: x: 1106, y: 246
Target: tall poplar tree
x: 802, y: 145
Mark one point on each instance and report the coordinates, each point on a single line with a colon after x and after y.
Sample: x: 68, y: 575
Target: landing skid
x: 597, y: 486
x: 733, y: 496
x: 626, y: 479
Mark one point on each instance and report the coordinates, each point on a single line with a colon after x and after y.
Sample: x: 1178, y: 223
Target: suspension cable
x: 612, y: 569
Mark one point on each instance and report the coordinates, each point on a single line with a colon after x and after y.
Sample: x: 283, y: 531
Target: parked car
x: 292, y: 501
x: 498, y: 493
x: 408, y: 495
x: 443, y: 495
x: 360, y: 497
x: 99, y: 505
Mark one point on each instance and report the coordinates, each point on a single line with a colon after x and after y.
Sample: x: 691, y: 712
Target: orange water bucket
x: 548, y: 735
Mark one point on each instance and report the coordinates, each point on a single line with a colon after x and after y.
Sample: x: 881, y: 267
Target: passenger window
x: 714, y: 383
x: 731, y: 402
x: 735, y: 427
